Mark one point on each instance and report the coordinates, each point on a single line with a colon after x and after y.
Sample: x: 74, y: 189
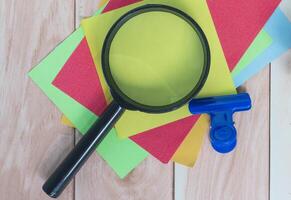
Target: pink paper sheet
x: 78, y: 78
x: 238, y: 22
x: 162, y: 142
x: 115, y: 4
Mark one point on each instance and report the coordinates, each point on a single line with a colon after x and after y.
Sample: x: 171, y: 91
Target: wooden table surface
x: 33, y: 141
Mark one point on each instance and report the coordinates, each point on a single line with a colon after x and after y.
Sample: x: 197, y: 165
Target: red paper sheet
x: 162, y: 142
x: 78, y: 79
x: 238, y: 22
x: 114, y: 4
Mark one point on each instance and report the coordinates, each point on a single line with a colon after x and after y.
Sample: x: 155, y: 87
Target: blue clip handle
x: 222, y: 131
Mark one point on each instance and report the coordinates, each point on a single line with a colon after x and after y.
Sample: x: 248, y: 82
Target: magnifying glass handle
x: 65, y: 172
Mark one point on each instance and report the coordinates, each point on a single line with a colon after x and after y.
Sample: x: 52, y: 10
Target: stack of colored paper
x: 243, y: 37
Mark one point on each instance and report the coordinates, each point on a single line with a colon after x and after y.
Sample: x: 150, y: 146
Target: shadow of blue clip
x: 222, y: 131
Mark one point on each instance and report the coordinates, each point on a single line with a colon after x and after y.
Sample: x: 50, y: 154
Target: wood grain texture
x: 96, y: 180
x: 150, y: 180
x: 280, y: 122
x: 32, y: 139
x: 242, y: 174
x: 280, y: 169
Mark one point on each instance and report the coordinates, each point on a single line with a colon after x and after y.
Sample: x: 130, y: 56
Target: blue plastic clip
x: 222, y: 131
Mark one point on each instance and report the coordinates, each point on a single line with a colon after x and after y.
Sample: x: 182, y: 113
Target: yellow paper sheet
x: 132, y: 122
x: 102, y: 3
x: 219, y: 81
x: 188, y: 151
x: 67, y: 122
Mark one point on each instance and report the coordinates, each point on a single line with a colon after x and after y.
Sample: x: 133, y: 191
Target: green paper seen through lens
x: 156, y: 58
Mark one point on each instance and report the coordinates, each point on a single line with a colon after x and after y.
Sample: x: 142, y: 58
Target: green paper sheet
x: 122, y: 155
x: 261, y: 42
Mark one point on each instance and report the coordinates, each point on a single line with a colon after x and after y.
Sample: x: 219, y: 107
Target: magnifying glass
x: 155, y: 59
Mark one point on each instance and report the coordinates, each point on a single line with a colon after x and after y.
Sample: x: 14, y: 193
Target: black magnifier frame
x: 117, y: 93
x: 65, y: 172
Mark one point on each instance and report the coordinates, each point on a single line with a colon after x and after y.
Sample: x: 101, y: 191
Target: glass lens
x: 156, y: 58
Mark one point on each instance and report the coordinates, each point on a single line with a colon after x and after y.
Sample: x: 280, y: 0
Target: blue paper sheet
x: 279, y: 28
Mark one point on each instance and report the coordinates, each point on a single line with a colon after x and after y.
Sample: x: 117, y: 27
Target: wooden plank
x: 280, y: 182
x: 151, y: 180
x: 285, y: 6
x: 96, y: 180
x: 280, y: 162
x: 32, y: 139
x: 242, y: 174
x: 85, y: 9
